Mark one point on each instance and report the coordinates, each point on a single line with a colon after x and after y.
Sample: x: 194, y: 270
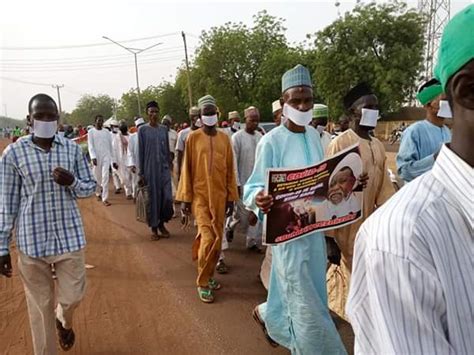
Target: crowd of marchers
x: 398, y: 274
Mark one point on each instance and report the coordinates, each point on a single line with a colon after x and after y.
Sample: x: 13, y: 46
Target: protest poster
x: 320, y: 197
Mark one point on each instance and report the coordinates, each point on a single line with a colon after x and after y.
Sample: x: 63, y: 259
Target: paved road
x: 141, y: 297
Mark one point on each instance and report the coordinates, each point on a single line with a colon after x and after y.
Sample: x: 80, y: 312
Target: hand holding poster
x: 320, y: 197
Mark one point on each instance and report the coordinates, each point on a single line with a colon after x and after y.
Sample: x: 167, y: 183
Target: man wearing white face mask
x: 295, y: 314
x: 422, y: 141
x: 41, y: 177
x: 208, y: 189
x: 320, y: 121
x: 361, y: 107
x: 234, y: 126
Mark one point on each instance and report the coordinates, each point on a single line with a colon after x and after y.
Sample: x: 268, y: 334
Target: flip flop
x: 261, y: 323
x: 66, y: 336
x: 222, y: 268
x: 106, y: 203
x: 205, y: 295
x: 214, y: 285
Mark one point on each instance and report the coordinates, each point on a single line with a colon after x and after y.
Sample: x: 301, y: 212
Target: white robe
x: 100, y: 148
x: 121, y: 157
x: 132, y: 160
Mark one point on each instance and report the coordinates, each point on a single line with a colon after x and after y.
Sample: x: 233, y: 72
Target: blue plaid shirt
x: 44, y: 213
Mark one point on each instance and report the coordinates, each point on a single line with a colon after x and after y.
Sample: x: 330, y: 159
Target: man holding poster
x: 295, y: 314
x: 362, y: 109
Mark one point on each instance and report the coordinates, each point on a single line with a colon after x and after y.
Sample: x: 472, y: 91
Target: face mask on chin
x: 296, y: 116
x: 45, y: 129
x: 209, y: 121
x: 369, y: 118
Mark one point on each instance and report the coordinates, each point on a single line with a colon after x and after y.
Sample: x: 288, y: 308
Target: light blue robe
x: 296, y: 312
x: 419, y: 143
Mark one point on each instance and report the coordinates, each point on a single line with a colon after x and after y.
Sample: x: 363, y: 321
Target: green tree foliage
x: 381, y: 44
x: 88, y: 107
x: 242, y: 66
x: 11, y: 122
x: 168, y: 96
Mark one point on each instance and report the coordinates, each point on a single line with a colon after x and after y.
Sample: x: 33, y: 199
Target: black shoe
x: 229, y: 235
x: 66, y: 336
x: 163, y: 231
x: 154, y: 234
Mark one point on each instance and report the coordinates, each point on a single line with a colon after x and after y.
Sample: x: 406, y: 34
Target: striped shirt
x: 44, y: 213
x: 412, y: 287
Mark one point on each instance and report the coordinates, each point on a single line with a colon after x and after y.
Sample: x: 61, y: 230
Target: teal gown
x: 296, y: 313
x: 419, y: 143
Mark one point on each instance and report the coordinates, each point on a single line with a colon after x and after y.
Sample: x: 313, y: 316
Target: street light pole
x: 190, y: 94
x: 57, y: 87
x: 135, y: 53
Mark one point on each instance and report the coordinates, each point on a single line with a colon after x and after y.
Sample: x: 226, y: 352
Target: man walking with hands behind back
x: 208, y: 186
x: 155, y: 171
x: 41, y: 176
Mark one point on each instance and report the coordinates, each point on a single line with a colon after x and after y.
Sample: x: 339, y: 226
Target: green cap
x: 297, y: 76
x: 429, y: 93
x: 320, y: 110
x: 457, y: 45
x: 193, y: 111
x: 206, y: 100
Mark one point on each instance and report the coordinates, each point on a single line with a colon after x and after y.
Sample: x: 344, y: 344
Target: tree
x: 242, y: 65
x: 167, y: 95
x: 379, y: 44
x: 11, y: 122
x: 88, y: 107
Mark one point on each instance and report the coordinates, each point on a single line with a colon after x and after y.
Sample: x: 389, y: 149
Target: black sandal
x: 261, y: 323
x: 66, y: 336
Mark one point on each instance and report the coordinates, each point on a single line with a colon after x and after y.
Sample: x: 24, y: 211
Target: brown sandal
x: 261, y: 323
x: 66, y: 336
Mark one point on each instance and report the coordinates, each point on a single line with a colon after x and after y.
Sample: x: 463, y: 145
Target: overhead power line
x: 155, y: 56
x: 100, y: 44
x: 107, y: 66
x: 88, y: 58
x: 23, y: 81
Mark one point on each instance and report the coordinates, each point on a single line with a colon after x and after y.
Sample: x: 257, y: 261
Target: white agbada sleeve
x: 236, y: 149
x: 91, y: 144
x: 132, y: 151
x: 115, y: 146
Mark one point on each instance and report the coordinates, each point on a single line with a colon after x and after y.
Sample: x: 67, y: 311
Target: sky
x: 31, y: 32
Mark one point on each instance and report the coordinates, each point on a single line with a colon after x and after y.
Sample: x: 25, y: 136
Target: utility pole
x: 437, y: 13
x: 135, y: 52
x: 190, y: 93
x: 57, y: 87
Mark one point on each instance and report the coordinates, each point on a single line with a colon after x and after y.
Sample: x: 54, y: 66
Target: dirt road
x: 141, y: 297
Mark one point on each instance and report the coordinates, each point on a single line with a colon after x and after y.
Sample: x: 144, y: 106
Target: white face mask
x: 209, y: 121
x: 198, y: 123
x: 43, y: 129
x: 369, y: 117
x: 320, y: 129
x: 236, y: 126
x: 61, y: 133
x: 296, y: 116
x: 445, y: 110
